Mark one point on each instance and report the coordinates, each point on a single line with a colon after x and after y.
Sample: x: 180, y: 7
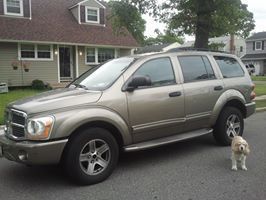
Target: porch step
x: 59, y: 85
x: 167, y: 140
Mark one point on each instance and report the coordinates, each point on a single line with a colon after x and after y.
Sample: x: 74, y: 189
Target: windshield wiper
x: 80, y: 86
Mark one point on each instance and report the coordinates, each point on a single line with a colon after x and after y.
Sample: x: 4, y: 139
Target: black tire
x: 224, y: 133
x: 79, y: 148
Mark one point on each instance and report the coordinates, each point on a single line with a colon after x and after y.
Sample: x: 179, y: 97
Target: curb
x: 261, y: 109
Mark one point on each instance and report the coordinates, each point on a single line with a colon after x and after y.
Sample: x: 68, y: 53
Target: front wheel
x: 91, y: 156
x: 229, y: 124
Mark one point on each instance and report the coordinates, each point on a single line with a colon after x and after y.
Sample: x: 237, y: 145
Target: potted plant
x: 15, y: 64
x: 25, y: 66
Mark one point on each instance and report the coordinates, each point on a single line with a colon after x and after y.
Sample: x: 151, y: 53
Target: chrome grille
x: 15, y: 122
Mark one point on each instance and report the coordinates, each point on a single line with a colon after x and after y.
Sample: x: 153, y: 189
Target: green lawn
x: 260, y: 88
x: 13, y: 95
x: 258, y: 78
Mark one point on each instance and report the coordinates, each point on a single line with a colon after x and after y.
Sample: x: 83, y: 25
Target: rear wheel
x: 91, y: 156
x: 229, y: 124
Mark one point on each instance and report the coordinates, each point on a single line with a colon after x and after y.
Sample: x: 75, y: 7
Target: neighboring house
x: 256, y: 52
x: 233, y: 44
x: 157, y: 48
x: 57, y: 40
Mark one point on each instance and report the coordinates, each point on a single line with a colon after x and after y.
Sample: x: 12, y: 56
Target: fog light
x: 22, y: 155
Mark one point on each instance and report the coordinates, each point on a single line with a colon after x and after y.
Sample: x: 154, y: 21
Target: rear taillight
x: 252, y: 94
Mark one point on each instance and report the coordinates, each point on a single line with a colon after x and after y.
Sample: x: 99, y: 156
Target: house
x: 256, y: 52
x: 233, y: 44
x: 157, y: 48
x: 56, y: 40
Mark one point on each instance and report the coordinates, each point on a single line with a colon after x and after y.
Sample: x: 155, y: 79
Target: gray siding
x: 250, y: 49
x: 92, y: 4
x: 75, y: 12
x: 43, y: 70
x: 82, y: 66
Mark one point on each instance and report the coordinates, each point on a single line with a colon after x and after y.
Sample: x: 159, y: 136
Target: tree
x: 207, y: 18
x: 126, y: 18
x: 161, y: 38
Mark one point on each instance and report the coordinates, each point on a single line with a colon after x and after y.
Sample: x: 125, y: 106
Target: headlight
x: 39, y: 128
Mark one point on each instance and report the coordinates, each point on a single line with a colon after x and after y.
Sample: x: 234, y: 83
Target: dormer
x: 15, y: 8
x: 90, y: 12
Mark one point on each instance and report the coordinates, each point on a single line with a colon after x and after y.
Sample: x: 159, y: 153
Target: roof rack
x: 180, y: 49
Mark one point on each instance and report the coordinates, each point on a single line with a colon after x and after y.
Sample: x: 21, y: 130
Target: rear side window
x: 160, y: 71
x: 196, y: 68
x: 229, y: 66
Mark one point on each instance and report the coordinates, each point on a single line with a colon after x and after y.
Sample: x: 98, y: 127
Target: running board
x: 167, y: 140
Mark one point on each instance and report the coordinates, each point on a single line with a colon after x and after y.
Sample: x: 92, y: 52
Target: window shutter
x: 82, y: 14
x: 102, y: 16
x: 253, y: 45
x: 262, y: 45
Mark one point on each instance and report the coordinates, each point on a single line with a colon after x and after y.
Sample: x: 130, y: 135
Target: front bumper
x: 250, y: 108
x: 28, y: 152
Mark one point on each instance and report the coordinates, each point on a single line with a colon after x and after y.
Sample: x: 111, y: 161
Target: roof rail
x: 180, y: 49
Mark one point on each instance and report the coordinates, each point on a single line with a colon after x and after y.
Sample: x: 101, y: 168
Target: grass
x: 258, y: 78
x: 14, y: 95
x: 260, y: 88
x: 260, y: 103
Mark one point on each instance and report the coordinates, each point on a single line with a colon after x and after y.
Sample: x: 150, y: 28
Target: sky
x: 257, y: 7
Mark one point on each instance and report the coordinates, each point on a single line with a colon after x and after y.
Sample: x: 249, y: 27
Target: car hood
x: 56, y: 99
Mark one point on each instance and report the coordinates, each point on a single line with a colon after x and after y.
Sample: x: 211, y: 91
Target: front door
x: 158, y: 110
x: 65, y: 63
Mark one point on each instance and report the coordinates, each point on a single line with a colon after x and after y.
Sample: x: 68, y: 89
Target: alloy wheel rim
x: 94, y: 157
x: 233, y: 126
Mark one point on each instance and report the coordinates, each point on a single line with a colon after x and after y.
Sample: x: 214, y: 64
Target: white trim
x: 58, y: 64
x: 258, y: 49
x: 86, y: 15
x: 67, y: 43
x: 77, y: 61
x: 116, y: 53
x: 30, y: 10
x: 21, y: 14
x: 79, y: 13
x: 36, y: 53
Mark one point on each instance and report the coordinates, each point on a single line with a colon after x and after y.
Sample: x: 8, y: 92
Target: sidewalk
x: 262, y: 97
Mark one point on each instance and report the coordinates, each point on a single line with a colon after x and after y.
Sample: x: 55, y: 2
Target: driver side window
x: 159, y: 70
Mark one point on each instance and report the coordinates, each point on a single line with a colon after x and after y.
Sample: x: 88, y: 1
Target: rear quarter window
x: 229, y: 66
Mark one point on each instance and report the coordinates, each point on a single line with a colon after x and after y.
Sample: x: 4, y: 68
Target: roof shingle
x: 52, y: 21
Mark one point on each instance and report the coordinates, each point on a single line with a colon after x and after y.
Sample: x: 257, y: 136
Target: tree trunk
x: 204, y: 11
x: 202, y: 31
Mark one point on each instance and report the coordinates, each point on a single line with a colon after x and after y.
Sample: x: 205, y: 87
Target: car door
x: 202, y: 89
x: 158, y: 110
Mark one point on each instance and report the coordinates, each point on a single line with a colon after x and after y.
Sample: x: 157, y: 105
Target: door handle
x: 218, y: 88
x: 175, y: 94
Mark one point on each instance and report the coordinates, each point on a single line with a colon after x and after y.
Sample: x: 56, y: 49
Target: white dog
x: 240, y: 150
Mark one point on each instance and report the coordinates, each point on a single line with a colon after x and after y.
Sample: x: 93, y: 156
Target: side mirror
x: 138, y: 81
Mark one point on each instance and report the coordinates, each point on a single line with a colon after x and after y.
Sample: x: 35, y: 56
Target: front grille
x: 15, y: 123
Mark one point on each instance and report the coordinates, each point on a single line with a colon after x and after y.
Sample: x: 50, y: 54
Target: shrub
x: 38, y: 84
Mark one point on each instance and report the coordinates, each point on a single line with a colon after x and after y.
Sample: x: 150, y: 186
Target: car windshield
x: 103, y: 76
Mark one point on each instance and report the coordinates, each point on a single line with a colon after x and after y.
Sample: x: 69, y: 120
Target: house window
x: 105, y: 54
x: 13, y: 7
x: 99, y: 55
x: 44, y: 51
x: 258, y: 45
x: 27, y: 51
x: 92, y: 15
x: 91, y: 55
x: 35, y: 52
x: 241, y: 48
